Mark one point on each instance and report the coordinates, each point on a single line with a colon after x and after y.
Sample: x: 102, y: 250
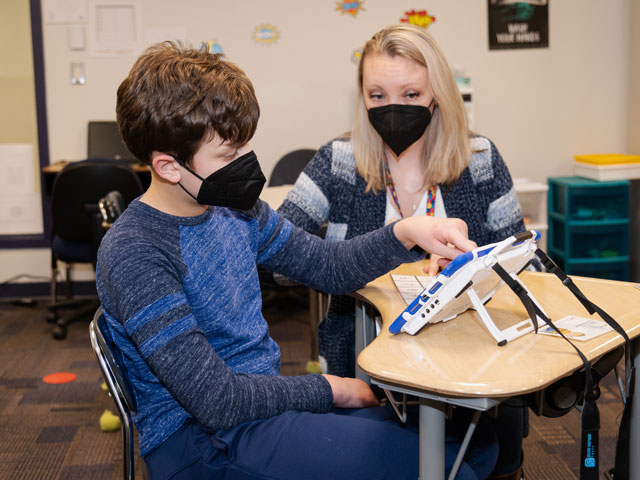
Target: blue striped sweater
x: 182, y: 302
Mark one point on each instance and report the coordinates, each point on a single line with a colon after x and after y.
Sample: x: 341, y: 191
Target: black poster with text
x: 518, y: 24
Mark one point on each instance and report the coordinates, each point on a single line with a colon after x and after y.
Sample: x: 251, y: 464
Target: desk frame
x: 433, y: 405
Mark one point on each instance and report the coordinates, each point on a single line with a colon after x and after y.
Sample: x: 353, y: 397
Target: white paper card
x: 114, y: 28
x: 20, y: 201
x: 410, y: 286
x: 65, y: 11
x: 577, y: 328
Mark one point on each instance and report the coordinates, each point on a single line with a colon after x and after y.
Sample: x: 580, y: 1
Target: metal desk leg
x: 365, y: 333
x: 634, y: 434
x: 432, y: 419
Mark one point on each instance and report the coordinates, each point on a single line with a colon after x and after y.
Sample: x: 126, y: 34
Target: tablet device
x: 468, y: 282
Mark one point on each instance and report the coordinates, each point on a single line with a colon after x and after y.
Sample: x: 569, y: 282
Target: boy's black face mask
x: 237, y: 185
x: 400, y: 125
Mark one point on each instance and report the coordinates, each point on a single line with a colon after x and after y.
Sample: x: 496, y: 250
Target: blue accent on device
x: 468, y: 282
x: 457, y: 263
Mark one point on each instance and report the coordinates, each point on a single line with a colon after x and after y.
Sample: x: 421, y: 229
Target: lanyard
x: 431, y: 197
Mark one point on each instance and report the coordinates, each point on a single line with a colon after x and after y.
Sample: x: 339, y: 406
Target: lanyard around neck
x: 431, y: 197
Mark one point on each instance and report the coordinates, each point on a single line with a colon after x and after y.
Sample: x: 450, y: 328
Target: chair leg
x: 87, y: 308
x: 52, y: 314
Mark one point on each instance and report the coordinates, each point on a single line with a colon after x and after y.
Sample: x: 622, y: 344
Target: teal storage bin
x: 589, y: 226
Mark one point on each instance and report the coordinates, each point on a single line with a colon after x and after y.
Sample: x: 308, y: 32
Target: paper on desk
x: 577, y: 328
x: 410, y: 286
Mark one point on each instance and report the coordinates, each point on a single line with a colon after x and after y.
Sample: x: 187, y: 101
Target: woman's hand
x: 434, y: 265
x: 351, y: 392
x: 444, y: 237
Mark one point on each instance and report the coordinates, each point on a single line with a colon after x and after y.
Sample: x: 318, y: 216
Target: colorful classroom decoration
x: 420, y: 18
x: 352, y: 8
x: 212, y: 47
x: 356, y: 55
x: 266, y: 34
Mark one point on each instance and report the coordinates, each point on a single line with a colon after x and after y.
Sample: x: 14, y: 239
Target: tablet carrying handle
x: 590, y: 416
x: 621, y: 469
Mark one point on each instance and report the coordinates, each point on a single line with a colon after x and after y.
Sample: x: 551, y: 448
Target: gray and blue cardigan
x: 331, y: 190
x: 182, y: 304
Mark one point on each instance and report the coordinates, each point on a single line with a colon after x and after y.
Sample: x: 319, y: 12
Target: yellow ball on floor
x: 314, y: 367
x: 109, y: 422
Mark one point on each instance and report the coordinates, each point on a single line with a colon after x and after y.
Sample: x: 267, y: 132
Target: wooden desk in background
x: 274, y: 196
x: 458, y: 362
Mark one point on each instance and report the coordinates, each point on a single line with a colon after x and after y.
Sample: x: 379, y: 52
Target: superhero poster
x: 518, y: 24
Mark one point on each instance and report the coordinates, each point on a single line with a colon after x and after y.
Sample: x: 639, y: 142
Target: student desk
x: 458, y: 362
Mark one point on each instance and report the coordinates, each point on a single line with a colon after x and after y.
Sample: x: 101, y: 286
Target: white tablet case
x: 468, y: 282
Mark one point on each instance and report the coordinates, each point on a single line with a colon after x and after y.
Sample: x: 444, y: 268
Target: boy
x: 177, y: 279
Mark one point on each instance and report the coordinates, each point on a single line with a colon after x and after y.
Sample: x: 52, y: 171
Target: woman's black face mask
x: 236, y: 185
x: 400, y: 125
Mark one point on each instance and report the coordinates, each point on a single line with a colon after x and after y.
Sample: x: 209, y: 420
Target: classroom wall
x: 634, y: 80
x: 634, y: 138
x: 540, y: 106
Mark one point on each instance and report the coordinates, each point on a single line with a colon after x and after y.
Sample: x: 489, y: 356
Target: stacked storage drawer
x: 589, y: 227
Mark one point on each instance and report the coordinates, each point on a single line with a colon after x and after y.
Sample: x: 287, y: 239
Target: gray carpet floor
x: 52, y: 431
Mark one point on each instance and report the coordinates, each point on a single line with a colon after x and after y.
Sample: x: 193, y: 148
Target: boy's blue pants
x: 349, y: 444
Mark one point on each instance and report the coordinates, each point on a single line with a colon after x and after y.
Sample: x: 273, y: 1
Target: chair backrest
x: 289, y: 167
x: 118, y: 385
x: 78, y: 188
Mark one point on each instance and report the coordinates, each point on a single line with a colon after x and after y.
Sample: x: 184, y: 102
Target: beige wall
x: 540, y: 106
x: 634, y: 79
x: 17, y: 97
x: 634, y: 136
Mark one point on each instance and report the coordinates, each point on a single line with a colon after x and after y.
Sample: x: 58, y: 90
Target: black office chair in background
x: 289, y: 167
x: 76, y: 226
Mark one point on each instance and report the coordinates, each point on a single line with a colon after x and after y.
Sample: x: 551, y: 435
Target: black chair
x: 76, y: 226
x: 289, y: 167
x: 286, y: 172
x: 119, y: 389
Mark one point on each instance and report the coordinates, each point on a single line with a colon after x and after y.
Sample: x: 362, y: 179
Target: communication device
x: 469, y: 282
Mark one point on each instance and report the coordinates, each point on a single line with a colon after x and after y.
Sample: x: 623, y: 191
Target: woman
x: 410, y: 153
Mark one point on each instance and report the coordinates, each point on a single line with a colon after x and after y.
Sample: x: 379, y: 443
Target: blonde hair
x: 447, y: 149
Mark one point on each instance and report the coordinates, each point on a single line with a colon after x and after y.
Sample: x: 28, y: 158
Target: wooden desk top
x: 57, y: 166
x: 460, y: 358
x: 274, y: 196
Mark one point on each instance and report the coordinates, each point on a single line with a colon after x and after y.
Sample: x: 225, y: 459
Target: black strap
x: 590, y: 416
x: 621, y: 469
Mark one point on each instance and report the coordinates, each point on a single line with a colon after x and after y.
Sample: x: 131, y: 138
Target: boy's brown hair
x: 175, y: 98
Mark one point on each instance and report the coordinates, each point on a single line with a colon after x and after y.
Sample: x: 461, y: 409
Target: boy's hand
x: 446, y: 237
x: 351, y: 392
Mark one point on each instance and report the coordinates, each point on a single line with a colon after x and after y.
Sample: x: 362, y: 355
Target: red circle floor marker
x: 60, y: 377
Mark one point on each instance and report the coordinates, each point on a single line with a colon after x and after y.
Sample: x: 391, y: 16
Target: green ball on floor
x: 109, y: 422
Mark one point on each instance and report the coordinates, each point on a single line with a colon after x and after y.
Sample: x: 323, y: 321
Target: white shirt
x: 392, y: 215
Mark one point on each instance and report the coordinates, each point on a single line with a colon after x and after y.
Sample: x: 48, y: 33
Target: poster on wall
x: 20, y: 200
x: 518, y: 24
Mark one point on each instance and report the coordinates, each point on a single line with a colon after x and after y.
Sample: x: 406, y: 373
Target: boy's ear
x: 166, y: 167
